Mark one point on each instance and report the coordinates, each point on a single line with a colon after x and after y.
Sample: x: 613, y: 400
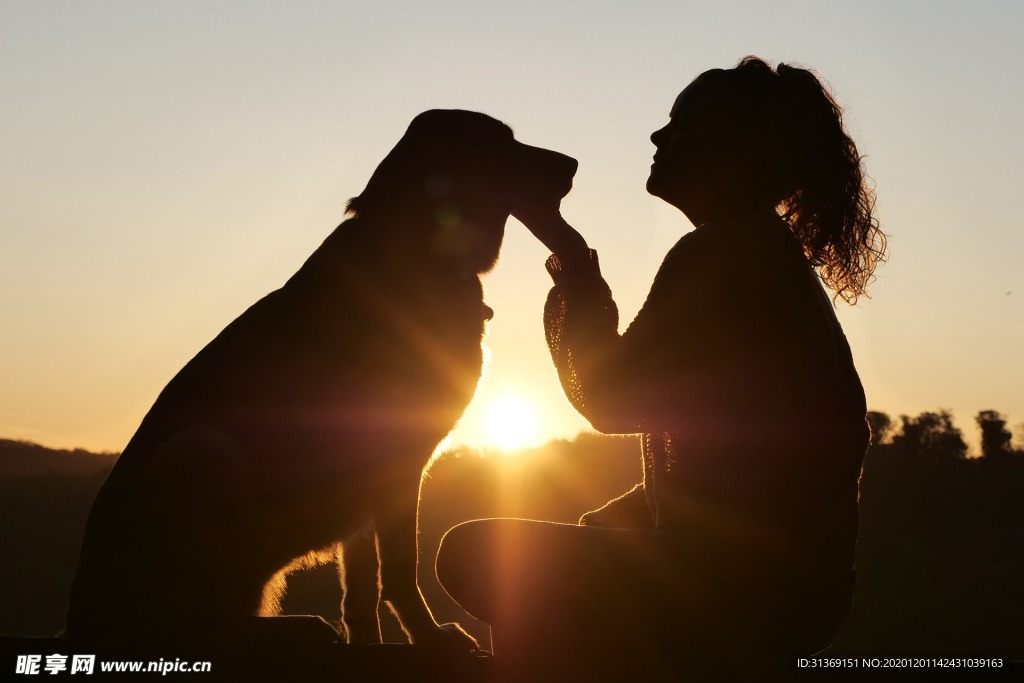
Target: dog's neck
x: 445, y: 242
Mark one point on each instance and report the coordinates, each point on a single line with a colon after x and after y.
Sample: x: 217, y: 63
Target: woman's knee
x: 454, y: 556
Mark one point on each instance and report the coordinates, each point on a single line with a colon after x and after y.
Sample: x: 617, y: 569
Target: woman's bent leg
x: 619, y: 601
x: 558, y: 593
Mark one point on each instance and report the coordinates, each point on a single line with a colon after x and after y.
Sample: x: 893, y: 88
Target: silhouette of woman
x: 738, y: 376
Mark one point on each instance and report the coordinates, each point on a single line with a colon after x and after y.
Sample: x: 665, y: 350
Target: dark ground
x: 940, y: 558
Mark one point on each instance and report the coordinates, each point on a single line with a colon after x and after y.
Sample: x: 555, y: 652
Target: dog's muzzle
x: 547, y: 174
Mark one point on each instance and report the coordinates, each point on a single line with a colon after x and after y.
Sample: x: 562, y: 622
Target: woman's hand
x: 547, y: 225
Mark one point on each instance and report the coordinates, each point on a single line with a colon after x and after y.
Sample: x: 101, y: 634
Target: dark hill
x: 45, y: 496
x: 26, y: 459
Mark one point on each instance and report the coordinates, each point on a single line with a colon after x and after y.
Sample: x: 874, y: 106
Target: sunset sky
x: 164, y: 165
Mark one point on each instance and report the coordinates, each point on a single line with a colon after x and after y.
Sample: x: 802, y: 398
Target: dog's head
x: 452, y: 181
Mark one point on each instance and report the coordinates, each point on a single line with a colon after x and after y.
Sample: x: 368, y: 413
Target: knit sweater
x: 741, y: 381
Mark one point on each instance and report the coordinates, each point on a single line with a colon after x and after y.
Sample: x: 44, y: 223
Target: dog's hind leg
x: 360, y: 580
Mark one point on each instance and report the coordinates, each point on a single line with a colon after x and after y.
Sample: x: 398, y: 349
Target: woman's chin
x: 654, y: 184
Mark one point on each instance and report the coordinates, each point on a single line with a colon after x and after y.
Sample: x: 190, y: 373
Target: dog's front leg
x: 361, y: 587
x: 397, y: 544
x: 628, y: 511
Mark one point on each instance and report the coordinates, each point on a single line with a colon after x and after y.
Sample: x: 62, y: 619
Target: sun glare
x: 511, y: 423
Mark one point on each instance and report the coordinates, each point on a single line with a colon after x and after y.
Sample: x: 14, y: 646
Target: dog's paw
x: 456, y: 638
x: 591, y: 519
x: 450, y: 637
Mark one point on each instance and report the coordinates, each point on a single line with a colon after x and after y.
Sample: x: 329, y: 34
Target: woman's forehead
x: 705, y: 84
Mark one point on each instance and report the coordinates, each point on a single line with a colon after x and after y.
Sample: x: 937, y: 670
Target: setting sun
x: 511, y: 423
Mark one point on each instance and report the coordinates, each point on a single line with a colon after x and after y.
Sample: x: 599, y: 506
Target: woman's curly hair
x: 819, y: 184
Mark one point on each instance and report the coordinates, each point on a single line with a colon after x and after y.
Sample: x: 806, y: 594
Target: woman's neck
x: 728, y: 213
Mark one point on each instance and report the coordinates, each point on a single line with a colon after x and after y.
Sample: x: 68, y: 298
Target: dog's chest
x: 420, y: 340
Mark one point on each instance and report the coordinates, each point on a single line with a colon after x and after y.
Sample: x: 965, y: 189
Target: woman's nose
x: 657, y: 135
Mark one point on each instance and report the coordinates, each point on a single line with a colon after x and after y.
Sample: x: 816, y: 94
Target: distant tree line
x: 940, y: 556
x: 933, y: 433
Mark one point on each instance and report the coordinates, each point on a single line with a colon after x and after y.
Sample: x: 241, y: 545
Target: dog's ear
x: 424, y: 165
x: 387, y: 181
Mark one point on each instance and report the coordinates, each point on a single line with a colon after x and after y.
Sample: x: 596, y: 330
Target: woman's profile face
x: 699, y: 160
x: 683, y: 144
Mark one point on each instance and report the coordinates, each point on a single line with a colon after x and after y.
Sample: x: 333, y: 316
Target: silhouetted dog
x: 309, y: 419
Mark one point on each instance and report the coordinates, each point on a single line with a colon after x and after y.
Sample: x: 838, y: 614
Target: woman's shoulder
x: 740, y: 237
x: 757, y: 250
